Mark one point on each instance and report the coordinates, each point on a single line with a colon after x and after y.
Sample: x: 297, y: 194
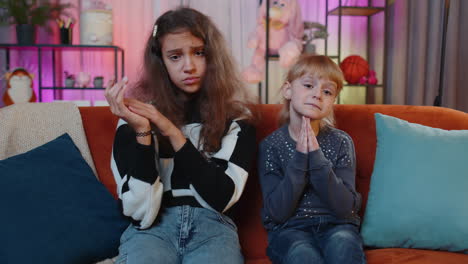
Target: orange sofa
x: 357, y: 120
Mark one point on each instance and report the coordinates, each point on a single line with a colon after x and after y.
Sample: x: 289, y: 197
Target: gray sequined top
x: 297, y: 186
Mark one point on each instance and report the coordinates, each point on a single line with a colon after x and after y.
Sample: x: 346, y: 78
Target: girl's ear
x: 286, y: 90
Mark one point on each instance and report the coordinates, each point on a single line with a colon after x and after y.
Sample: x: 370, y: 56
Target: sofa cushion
x: 55, y: 210
x: 25, y: 126
x: 418, y: 189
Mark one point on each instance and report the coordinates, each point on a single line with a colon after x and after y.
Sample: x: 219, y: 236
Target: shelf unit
x: 362, y: 11
x: 54, y: 50
x: 267, y: 53
x: 268, y: 57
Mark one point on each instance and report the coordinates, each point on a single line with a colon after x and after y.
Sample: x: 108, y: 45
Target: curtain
x: 236, y: 20
x: 414, y: 53
x: 455, y: 88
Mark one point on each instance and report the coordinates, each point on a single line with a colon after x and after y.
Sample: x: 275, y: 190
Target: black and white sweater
x: 149, y: 177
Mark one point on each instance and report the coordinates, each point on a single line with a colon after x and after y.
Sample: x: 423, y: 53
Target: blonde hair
x: 316, y: 65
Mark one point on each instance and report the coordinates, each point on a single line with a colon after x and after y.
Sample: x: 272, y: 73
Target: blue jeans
x: 317, y: 240
x: 183, y: 234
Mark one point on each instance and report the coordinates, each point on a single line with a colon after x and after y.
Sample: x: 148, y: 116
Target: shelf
x: 59, y: 46
x: 73, y: 88
x: 276, y: 57
x: 363, y: 85
x: 366, y: 12
x: 51, y: 50
x: 356, y: 11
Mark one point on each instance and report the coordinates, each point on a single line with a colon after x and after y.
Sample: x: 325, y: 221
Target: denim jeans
x: 182, y: 234
x: 317, y: 240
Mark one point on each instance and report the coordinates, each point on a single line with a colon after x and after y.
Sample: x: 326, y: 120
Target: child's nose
x: 189, y: 65
x: 317, y: 92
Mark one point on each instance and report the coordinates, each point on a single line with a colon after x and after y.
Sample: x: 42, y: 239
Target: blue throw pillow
x: 418, y: 194
x: 54, y: 210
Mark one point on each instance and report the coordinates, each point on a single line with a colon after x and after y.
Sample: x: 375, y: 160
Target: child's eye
x: 308, y: 85
x: 174, y: 57
x: 328, y: 92
x: 200, y: 53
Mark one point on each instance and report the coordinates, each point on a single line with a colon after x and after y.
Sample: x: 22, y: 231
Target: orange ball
x: 354, y: 67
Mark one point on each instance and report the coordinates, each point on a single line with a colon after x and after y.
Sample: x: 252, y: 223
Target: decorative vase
x: 69, y: 82
x: 309, y: 48
x: 96, y: 27
x: 25, y: 34
x: 66, y: 36
x: 98, y: 81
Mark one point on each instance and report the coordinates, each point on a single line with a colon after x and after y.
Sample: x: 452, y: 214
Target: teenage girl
x: 181, y: 161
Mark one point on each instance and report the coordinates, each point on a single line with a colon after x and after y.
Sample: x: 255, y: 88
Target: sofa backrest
x: 99, y: 125
x: 25, y: 126
x: 357, y: 120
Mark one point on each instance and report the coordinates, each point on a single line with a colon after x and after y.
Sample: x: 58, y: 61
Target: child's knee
x: 345, y: 236
x: 302, y: 252
x: 344, y: 244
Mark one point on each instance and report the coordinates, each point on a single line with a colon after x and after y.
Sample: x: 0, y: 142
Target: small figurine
x: 363, y: 80
x: 19, y: 87
x: 285, y: 37
x: 312, y: 31
x: 83, y: 79
x: 371, y: 78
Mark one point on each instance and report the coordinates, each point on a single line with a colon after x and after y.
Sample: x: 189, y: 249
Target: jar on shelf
x: 69, y: 80
x: 98, y: 82
x: 96, y: 25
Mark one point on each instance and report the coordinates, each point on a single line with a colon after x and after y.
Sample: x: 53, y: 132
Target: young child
x: 307, y: 173
x: 181, y: 161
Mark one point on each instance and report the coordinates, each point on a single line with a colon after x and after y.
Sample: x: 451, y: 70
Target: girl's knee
x: 348, y: 234
x: 344, y: 245
x: 303, y: 253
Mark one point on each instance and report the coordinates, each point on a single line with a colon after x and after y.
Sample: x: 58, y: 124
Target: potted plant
x: 313, y: 30
x: 27, y: 14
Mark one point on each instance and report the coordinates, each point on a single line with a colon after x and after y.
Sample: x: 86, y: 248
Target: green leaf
x: 30, y: 11
x: 40, y: 15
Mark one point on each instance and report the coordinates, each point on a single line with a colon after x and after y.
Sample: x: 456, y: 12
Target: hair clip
x: 155, y: 30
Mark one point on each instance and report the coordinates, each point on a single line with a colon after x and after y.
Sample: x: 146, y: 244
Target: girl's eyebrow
x: 173, y: 51
x: 331, y: 85
x: 179, y: 50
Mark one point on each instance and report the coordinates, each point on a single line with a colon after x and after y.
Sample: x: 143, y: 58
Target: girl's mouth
x: 191, y: 80
x: 314, y: 105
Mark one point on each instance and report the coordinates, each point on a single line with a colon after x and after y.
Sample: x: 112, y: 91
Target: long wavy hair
x: 315, y: 65
x: 221, y: 96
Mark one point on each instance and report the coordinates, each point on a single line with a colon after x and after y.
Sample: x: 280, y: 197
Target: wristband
x: 144, y: 134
